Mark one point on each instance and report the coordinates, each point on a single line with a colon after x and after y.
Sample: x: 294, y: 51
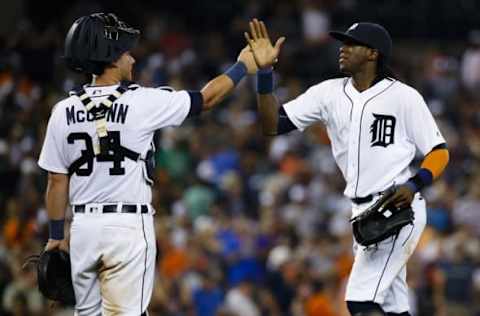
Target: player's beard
x: 350, y: 66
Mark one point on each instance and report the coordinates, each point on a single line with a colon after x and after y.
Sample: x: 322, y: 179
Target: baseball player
x: 375, y: 124
x: 97, y: 151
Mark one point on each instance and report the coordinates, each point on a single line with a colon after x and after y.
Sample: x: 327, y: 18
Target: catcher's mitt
x: 53, y: 275
x: 381, y: 220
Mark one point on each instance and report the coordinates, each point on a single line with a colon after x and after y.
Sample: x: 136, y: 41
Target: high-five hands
x: 258, y: 40
x: 246, y: 57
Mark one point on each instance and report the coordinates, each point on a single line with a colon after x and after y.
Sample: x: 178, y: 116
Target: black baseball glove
x: 381, y: 220
x: 53, y: 273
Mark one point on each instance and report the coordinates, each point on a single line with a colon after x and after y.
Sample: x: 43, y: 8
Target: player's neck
x: 106, y: 79
x: 364, y: 79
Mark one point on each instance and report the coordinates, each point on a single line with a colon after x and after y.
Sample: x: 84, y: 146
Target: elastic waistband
x: 111, y: 208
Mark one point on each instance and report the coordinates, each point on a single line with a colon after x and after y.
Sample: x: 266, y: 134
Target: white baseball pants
x: 379, y: 273
x: 113, y: 263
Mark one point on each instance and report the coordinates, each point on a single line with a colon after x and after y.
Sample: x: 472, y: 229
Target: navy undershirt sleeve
x: 284, y: 124
x: 196, y: 103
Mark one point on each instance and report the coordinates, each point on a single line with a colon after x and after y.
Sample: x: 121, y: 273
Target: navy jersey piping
x: 360, y: 134
x: 384, y: 268
x: 351, y: 101
x: 144, y: 264
x: 439, y: 146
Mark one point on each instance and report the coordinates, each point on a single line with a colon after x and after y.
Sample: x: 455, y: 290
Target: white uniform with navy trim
x: 112, y: 254
x: 374, y: 136
x: 136, y: 115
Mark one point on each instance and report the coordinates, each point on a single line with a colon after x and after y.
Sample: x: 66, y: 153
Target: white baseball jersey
x: 132, y: 120
x: 374, y: 134
x: 112, y: 254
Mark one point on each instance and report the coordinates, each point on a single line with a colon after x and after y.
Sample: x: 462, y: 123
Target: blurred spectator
x: 471, y: 63
x: 457, y: 270
x: 316, y: 21
x: 318, y: 303
x: 465, y: 211
x: 208, y: 297
x: 240, y: 300
x: 21, y: 297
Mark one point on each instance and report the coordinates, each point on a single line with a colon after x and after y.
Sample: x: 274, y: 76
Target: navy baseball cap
x: 368, y: 34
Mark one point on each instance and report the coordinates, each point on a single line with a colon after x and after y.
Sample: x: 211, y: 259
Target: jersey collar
x: 370, y: 92
x: 99, y: 91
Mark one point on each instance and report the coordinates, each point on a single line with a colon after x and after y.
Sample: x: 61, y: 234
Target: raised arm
x: 265, y: 56
x: 268, y: 105
x: 219, y: 87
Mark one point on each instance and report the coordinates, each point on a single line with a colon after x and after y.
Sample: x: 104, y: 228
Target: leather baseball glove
x: 53, y: 275
x: 381, y: 220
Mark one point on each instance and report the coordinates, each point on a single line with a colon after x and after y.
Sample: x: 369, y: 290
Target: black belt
x: 112, y: 208
x: 361, y: 200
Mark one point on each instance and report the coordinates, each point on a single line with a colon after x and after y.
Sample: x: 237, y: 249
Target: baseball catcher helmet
x: 95, y: 41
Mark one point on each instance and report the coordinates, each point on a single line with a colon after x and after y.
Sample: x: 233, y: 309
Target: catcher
x: 375, y: 124
x: 98, y: 151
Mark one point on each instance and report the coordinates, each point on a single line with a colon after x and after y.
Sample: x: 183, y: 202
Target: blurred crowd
x: 248, y: 225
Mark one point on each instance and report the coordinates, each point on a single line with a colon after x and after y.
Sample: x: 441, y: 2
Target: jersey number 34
x: 116, y: 154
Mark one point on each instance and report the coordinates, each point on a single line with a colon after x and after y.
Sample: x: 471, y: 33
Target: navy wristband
x: 412, y: 186
x: 55, y: 229
x: 236, y: 72
x: 423, y: 178
x: 265, y: 81
x: 426, y: 176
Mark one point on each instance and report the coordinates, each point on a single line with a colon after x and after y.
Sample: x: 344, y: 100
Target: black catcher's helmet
x: 97, y: 40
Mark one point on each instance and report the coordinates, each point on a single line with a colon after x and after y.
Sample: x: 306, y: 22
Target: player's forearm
x: 218, y: 88
x: 268, y: 113
x: 57, y: 195
x: 431, y: 168
x: 436, y: 161
x: 267, y: 103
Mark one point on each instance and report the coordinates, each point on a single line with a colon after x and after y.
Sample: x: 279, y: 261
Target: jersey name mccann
x: 116, y: 114
x: 131, y: 122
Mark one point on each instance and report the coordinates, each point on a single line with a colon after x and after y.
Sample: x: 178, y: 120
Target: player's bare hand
x: 57, y: 244
x: 246, y: 57
x: 403, y: 196
x: 265, y: 54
